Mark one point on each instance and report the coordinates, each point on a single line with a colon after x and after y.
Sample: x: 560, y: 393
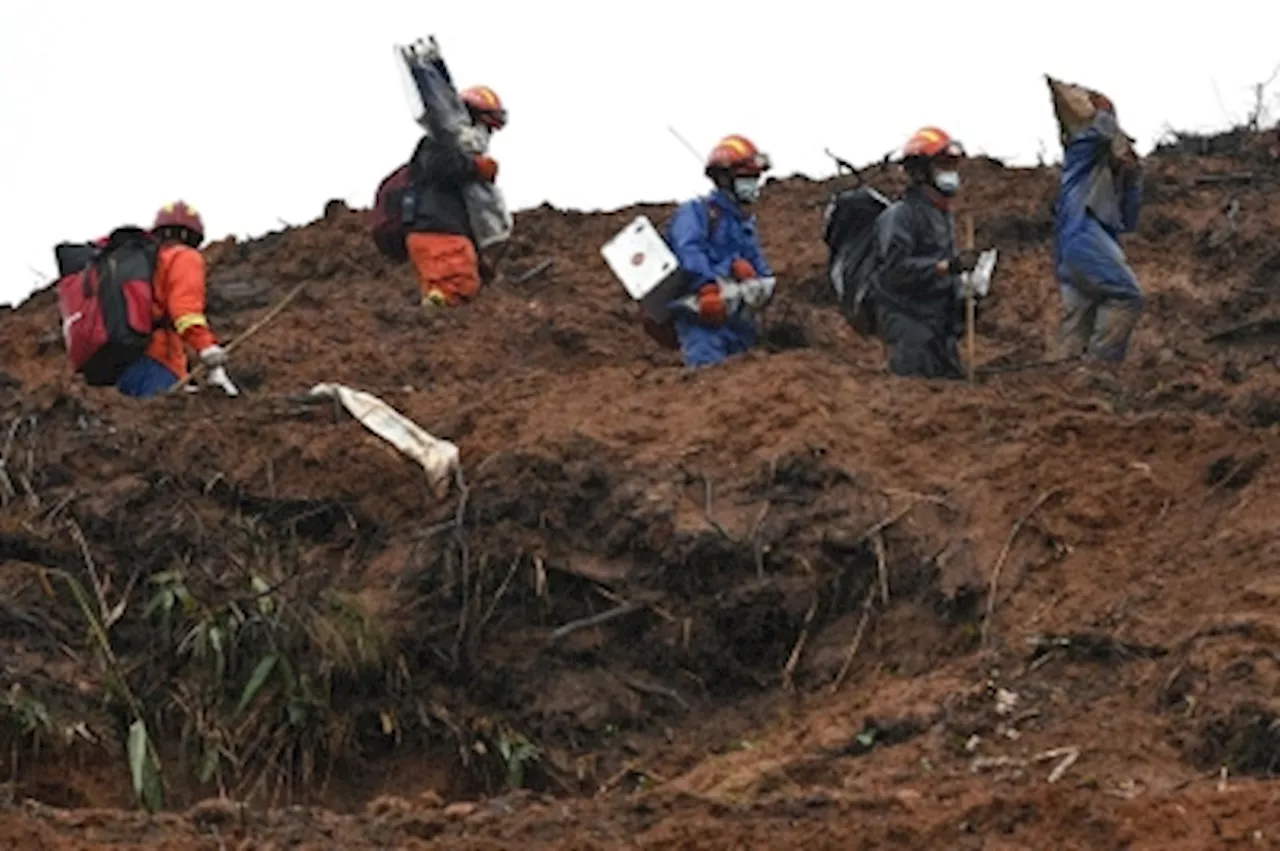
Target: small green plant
x: 250, y: 658
x: 516, y: 751
x: 30, y: 713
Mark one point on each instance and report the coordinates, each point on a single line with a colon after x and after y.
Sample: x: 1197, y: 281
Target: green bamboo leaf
x: 152, y: 789
x: 188, y: 602
x: 259, y: 678
x: 86, y: 607
x: 162, y: 601
x: 138, y: 756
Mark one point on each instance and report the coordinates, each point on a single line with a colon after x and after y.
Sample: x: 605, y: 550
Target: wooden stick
x: 595, y: 620
x: 789, y: 671
x: 994, y: 584
x: 853, y: 645
x: 883, y: 568
x: 969, y: 309
x: 542, y: 267
x: 888, y: 521
x: 254, y: 329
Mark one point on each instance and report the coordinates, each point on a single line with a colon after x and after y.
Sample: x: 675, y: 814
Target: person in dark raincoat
x: 914, y: 282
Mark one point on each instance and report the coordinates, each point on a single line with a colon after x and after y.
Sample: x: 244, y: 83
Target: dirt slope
x: 792, y: 597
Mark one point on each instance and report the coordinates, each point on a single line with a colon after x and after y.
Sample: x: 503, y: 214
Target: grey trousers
x: 1098, y: 324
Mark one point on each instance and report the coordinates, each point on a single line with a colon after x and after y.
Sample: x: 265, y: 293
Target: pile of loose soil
x: 792, y: 596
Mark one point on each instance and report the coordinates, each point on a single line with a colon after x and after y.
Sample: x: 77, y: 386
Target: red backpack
x: 106, y: 309
x: 392, y: 214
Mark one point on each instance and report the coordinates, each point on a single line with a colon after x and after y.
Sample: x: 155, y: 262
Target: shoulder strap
x: 713, y: 218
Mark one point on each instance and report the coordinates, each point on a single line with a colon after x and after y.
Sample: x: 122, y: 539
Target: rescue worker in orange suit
x: 440, y: 241
x: 714, y: 239
x: 914, y: 278
x: 178, y: 307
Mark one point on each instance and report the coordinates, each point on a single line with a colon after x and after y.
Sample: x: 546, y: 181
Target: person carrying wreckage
x: 914, y: 280
x: 1099, y: 198
x: 439, y: 239
x: 716, y: 243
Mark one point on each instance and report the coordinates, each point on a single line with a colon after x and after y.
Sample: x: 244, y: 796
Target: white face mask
x: 746, y: 189
x: 947, y: 182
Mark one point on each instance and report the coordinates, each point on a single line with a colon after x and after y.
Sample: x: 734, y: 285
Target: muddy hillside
x: 792, y: 597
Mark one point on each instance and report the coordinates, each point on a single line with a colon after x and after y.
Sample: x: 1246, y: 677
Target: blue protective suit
x: 1097, y: 202
x: 706, y: 251
x: 145, y: 378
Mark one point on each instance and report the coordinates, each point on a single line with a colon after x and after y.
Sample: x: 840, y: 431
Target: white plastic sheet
x: 439, y: 458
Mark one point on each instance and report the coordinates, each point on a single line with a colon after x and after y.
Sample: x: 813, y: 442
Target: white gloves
x: 757, y: 292
x: 214, y: 356
x: 424, y: 50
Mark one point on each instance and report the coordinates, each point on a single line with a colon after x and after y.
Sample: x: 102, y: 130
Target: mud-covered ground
x: 789, y: 602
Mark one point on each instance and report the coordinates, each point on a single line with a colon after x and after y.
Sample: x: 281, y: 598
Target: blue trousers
x: 146, y: 378
x: 708, y: 345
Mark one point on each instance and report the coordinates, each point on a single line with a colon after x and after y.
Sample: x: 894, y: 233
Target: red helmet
x: 180, y: 214
x: 932, y: 142
x: 739, y: 156
x: 486, y: 105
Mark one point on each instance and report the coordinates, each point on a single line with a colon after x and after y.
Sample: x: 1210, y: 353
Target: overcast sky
x: 257, y: 112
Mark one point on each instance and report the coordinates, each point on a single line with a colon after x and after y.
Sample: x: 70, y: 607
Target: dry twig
x: 1069, y: 756
x: 652, y: 606
x: 6, y: 485
x: 595, y: 620
x: 994, y: 584
x: 537, y: 270
x: 707, y: 505
x: 788, y: 672
x: 654, y: 689
x: 882, y: 567
x: 888, y: 521
x: 853, y: 645
x: 502, y: 589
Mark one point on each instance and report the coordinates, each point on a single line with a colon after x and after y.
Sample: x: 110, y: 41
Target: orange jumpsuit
x: 446, y: 264
x: 439, y: 240
x: 179, y: 298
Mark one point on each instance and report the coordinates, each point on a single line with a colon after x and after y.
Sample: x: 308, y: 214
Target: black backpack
x: 74, y: 257
x: 849, y: 233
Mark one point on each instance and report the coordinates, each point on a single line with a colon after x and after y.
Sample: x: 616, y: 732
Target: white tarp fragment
x: 438, y: 457
x: 980, y: 278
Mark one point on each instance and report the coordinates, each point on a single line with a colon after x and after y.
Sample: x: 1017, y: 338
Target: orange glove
x: 487, y: 167
x: 742, y: 270
x: 711, y: 308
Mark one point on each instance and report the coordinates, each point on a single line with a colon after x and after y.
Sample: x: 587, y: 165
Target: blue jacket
x: 708, y: 252
x: 1092, y: 196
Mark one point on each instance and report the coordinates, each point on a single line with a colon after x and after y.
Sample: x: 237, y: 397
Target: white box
x: 640, y: 258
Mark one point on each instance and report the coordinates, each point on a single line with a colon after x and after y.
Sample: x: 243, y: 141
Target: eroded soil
x: 790, y: 602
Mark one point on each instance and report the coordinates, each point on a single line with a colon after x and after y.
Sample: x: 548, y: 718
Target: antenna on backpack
x: 844, y: 167
x: 693, y: 152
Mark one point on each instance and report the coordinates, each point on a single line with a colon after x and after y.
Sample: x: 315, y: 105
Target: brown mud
x: 789, y: 602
